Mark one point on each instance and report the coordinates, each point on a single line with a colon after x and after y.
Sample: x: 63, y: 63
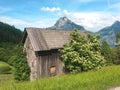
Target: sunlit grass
x: 3, y: 64
x: 93, y: 80
x: 5, y: 68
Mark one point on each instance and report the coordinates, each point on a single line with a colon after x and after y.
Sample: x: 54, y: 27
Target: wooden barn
x: 41, y: 47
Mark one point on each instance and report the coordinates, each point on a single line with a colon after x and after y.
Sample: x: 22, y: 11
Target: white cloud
x: 52, y: 9
x: 21, y: 24
x: 92, y: 21
x: 66, y: 12
x: 12, y: 21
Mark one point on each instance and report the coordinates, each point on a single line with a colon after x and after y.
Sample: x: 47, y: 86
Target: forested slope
x: 9, y: 33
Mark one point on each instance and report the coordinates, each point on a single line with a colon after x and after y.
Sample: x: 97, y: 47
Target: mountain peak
x: 65, y: 24
x: 62, y: 21
x: 109, y: 33
x: 116, y: 24
x: 64, y: 18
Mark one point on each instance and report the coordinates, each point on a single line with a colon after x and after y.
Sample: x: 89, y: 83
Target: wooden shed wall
x: 47, y: 61
x: 31, y: 59
x: 42, y: 62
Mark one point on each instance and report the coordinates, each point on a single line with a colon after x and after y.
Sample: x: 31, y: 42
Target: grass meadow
x: 102, y: 79
x: 5, y: 68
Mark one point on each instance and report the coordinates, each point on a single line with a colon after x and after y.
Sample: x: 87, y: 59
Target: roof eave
x: 24, y: 36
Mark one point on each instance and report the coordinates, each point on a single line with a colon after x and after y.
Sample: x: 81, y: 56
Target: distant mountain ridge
x: 9, y: 33
x: 109, y: 33
x: 65, y: 24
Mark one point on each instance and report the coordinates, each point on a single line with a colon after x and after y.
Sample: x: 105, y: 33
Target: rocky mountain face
x: 109, y: 33
x: 65, y: 24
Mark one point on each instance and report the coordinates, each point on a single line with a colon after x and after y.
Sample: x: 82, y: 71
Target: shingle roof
x: 44, y: 39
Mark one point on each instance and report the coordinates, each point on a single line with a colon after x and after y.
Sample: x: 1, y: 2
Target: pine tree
x: 107, y: 52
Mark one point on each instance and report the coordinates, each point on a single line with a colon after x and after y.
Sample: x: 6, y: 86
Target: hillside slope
x: 94, y: 80
x: 10, y: 37
x: 9, y: 33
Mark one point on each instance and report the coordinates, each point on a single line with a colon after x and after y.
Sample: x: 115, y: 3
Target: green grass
x: 5, y: 68
x: 5, y: 78
x: 94, y: 80
x: 3, y: 64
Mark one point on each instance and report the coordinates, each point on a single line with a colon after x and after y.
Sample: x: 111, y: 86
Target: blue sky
x: 92, y: 14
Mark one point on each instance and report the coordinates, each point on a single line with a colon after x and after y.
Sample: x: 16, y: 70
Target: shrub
x: 21, y: 72
x: 107, y: 52
x: 116, y: 54
x: 82, y: 53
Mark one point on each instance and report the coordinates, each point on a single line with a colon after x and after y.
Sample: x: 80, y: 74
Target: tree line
x: 9, y: 33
